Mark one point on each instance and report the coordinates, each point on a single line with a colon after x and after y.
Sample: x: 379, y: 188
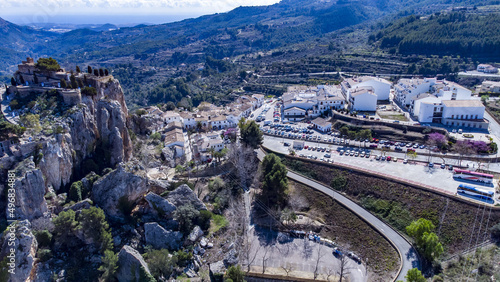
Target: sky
x: 115, y: 11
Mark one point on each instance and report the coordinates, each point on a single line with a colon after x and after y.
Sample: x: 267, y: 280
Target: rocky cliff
x: 99, y: 120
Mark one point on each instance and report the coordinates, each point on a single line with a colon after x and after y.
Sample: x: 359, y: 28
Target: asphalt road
x: 409, y: 257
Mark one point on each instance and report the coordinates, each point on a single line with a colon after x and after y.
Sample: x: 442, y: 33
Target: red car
x: 305, y: 147
x: 388, y: 158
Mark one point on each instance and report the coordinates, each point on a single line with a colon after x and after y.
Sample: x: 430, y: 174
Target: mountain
x: 457, y: 33
x: 240, y: 31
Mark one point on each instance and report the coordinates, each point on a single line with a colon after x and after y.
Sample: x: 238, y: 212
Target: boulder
x: 160, y: 238
x: 119, y: 186
x: 25, y: 246
x: 29, y: 191
x: 160, y: 205
x: 195, y: 234
x: 217, y: 269
x: 85, y: 204
x: 169, y: 156
x: 131, y: 265
x: 231, y: 258
x: 184, y: 195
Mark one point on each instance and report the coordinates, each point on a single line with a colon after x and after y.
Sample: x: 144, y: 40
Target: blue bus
x: 476, y: 192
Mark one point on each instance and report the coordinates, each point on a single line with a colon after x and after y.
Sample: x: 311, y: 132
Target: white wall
x: 382, y: 89
x: 364, y: 102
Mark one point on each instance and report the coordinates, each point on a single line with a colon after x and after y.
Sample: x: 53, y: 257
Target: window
x: 476, y: 116
x: 462, y: 116
x: 466, y: 116
x: 452, y: 116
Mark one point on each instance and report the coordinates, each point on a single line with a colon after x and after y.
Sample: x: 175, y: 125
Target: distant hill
x: 240, y: 31
x: 456, y: 33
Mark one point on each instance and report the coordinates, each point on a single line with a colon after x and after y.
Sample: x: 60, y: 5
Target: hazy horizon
x: 117, y: 12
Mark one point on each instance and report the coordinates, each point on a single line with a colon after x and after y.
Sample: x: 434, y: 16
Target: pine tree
x: 35, y: 78
x: 106, y: 72
x: 64, y: 84
x: 21, y: 79
x: 13, y: 81
x: 101, y: 72
x: 89, y: 69
x: 96, y: 72
x: 77, y: 69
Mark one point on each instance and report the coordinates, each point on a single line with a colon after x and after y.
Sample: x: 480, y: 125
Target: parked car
x: 388, y: 158
x: 431, y: 164
x: 405, y: 161
x: 443, y: 166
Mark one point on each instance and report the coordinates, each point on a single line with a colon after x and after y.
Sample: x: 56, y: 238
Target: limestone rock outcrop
x: 131, y: 265
x: 160, y: 238
x: 57, y: 161
x: 29, y: 188
x: 122, y: 183
x: 184, y: 195
x: 160, y: 205
x: 25, y: 246
x: 113, y: 132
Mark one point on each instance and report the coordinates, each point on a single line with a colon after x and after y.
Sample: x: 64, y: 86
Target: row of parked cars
x: 355, y: 153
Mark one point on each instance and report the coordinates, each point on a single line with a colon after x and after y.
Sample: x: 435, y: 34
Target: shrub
x: 204, y: 219
x: 44, y: 254
x: 44, y: 238
x: 235, y: 274
x: 495, y: 232
x: 186, y: 215
x: 75, y: 191
x: 160, y: 262
x: 183, y: 258
x: 219, y: 222
x: 94, y: 225
x: 109, y: 265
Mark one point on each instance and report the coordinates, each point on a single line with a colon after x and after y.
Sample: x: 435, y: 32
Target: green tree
x: 186, y: 216
x: 65, y: 224
x: 96, y: 72
x: 75, y: 191
x: 412, y: 155
x: 31, y: 121
x: 89, y: 69
x: 63, y: 83
x: 432, y: 248
x: 235, y: 273
x: 74, y: 84
x: 275, y: 182
x: 44, y: 238
x: 250, y: 134
x: 160, y: 262
x: 414, y: 275
x: 89, y: 91
x: 427, y: 241
x: 47, y: 64
x: 418, y: 228
x: 109, y: 266
x: 78, y: 69
x: 92, y: 222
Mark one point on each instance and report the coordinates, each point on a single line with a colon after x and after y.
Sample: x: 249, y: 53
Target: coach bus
x: 476, y: 192
x: 473, y: 176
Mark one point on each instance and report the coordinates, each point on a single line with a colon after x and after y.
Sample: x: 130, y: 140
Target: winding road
x: 408, y: 255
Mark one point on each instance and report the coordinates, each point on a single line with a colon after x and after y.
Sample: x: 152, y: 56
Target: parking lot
x: 416, y: 172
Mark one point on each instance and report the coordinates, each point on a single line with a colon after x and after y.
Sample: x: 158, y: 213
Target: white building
x: 363, y: 99
x: 464, y: 113
x: 300, y: 102
x: 490, y: 87
x: 487, y: 68
x: 174, y: 139
x: 381, y: 87
x: 322, y: 125
x: 406, y: 89
x: 171, y: 116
